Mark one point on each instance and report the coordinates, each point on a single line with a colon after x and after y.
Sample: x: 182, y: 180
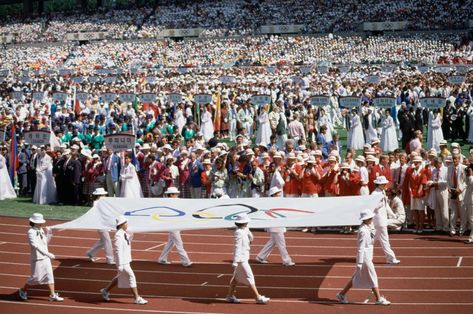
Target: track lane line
x: 155, y: 247
x: 459, y: 261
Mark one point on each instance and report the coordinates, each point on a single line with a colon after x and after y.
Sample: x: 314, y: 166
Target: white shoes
x: 105, y: 294
x: 164, y: 262
x: 22, y: 294
x: 291, y: 263
x: 262, y: 299
x: 187, y: 264
x: 141, y: 301
x: 394, y: 262
x: 55, y: 298
x: 232, y: 299
x: 261, y: 261
x: 382, y: 301
x: 91, y: 258
x: 342, y: 298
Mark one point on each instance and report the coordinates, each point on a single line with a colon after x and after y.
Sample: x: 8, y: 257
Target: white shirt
x: 38, y: 241
x: 122, y: 247
x: 241, y: 249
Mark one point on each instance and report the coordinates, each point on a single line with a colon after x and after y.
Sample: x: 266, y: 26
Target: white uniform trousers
x: 382, y: 237
x: 457, y: 209
x: 275, y: 239
x: 441, y: 210
x: 396, y: 223
x: 469, y: 210
x: 113, y: 188
x: 105, y: 243
x: 364, y: 190
x: 309, y: 195
x: 175, y: 240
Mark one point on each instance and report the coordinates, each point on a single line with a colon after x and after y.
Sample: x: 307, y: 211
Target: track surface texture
x: 435, y: 274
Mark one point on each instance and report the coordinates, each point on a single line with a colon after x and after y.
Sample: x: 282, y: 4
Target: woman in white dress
x: 129, y: 181
x: 41, y: 267
x: 355, y: 134
x: 6, y: 188
x: 365, y: 276
x: 324, y: 119
x: 179, y: 118
x: 371, y: 117
x: 263, y: 135
x: 207, y: 126
x: 388, y: 134
x: 470, y: 115
x: 45, y: 191
x: 435, y: 130
x: 242, y: 273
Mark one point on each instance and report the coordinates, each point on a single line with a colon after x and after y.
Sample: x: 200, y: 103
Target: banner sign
x: 456, y: 79
x: 82, y: 96
x: 183, y: 70
x: 65, y: 72
x: 306, y: 69
x: 388, y: 68
x: 372, y: 79
x: 433, y: 102
x: 103, y: 71
x: 349, y: 101
x: 24, y: 79
x: 148, y: 97
x: 423, y: 68
x: 120, y: 142
x: 227, y: 79
x: 165, y: 214
x: 203, y: 99
x: 181, y: 32
x: 462, y: 69
x: 93, y: 79
x: 442, y: 69
x: 127, y: 97
x: 322, y: 69
x: 17, y: 95
x: 385, y: 26
x: 175, y: 98
x: 83, y: 36
x: 384, y: 102
x: 344, y: 68
x: 38, y: 96
x: 282, y: 29
x: 151, y: 79
x: 319, y: 101
x: 260, y: 100
x: 108, y: 97
x: 60, y: 96
x: 78, y: 79
x: 271, y: 69
x: 37, y: 138
x: 110, y: 79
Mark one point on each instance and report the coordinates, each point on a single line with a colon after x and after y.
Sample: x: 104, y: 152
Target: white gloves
x: 51, y: 256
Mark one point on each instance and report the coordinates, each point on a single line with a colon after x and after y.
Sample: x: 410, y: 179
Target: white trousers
x: 196, y: 192
x: 364, y: 190
x: 457, y: 209
x: 232, y: 129
x: 275, y: 239
x: 175, y: 240
x: 113, y: 188
x: 105, y: 243
x: 469, y: 211
x: 441, y: 210
x: 396, y: 223
x: 126, y: 276
x: 382, y: 237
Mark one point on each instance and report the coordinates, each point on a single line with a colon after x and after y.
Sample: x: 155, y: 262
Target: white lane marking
x: 205, y: 283
x: 459, y: 261
x: 3, y: 243
x: 262, y: 275
x: 77, y: 265
x: 226, y: 285
x: 156, y: 246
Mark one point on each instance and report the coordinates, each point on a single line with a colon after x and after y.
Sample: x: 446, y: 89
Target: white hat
x: 291, y: 156
x: 417, y: 159
x: 218, y: 192
x: 172, y: 190
x: 274, y: 190
x: 75, y: 147
x: 100, y: 191
x: 345, y: 165
x: 120, y: 220
x: 206, y: 162
x: 95, y: 156
x: 167, y: 146
x: 146, y: 146
x: 249, y: 152
x: 242, y: 218
x: 185, y: 152
x: 366, y: 214
x: 318, y: 152
x: 332, y: 158
x: 66, y: 151
x: 277, y: 155
x: 311, y: 160
x: 455, y: 145
x: 443, y: 142
x: 375, y: 141
x: 366, y: 146
x: 381, y: 180
x: 34, y: 147
x: 86, y: 153
x: 371, y: 158
x: 302, y: 147
x: 37, y: 218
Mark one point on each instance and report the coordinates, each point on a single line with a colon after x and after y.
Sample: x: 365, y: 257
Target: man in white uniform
x: 439, y: 186
x: 174, y: 239
x: 380, y: 220
x: 276, y: 239
x: 456, y: 182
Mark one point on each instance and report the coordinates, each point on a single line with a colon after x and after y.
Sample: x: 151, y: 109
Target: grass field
x: 23, y: 206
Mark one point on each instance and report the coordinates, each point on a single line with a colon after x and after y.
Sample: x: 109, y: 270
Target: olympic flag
x: 165, y: 214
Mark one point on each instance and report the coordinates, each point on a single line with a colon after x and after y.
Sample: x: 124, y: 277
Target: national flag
x: 76, y: 103
x: 134, y: 160
x: 13, y: 154
x: 218, y: 113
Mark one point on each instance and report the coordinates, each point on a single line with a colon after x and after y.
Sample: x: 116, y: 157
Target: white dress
x: 470, y: 115
x: 129, y: 182
x: 207, y: 126
x: 180, y: 120
x: 365, y: 277
x: 6, y: 188
x: 263, y: 135
x: 429, y: 130
x: 371, y: 131
x: 355, y: 135
x: 325, y: 120
x: 388, y: 135
x: 437, y: 133
x: 45, y: 191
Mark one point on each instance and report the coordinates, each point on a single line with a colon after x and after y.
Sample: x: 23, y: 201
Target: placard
x: 175, y: 98
x: 260, y: 100
x: 305, y: 69
x: 384, y: 102
x: 322, y: 69
x: 297, y: 80
x: 110, y: 79
x: 24, y: 79
x: 103, y: 71
x: 120, y: 142
x: 37, y: 138
x: 319, y: 101
x: 82, y: 96
x: 77, y: 79
x: 127, y: 97
x: 60, y: 96
x: 65, y: 72
x: 456, y: 79
x: 17, y: 95
x: 93, y: 79
x: 462, y: 69
x: 344, y: 68
x: 433, y: 102
x: 108, y: 97
x: 38, y: 96
x: 148, y: 97
x: 182, y: 70
x: 227, y: 79
x: 388, y: 68
x: 203, y: 99
x: 282, y: 29
x: 271, y: 69
x: 349, y: 101
x: 372, y: 79
x: 423, y: 68
x: 442, y: 69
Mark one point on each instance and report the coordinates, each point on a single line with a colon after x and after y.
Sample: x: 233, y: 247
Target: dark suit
x: 22, y: 171
x: 58, y: 173
x: 72, y: 176
x: 33, y: 162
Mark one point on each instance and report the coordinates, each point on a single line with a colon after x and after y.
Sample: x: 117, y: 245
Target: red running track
x: 435, y: 276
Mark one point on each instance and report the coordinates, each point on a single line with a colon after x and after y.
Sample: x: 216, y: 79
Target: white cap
x: 172, y: 190
x: 37, y: 218
x: 100, y: 191
x: 242, y: 218
x: 381, y: 180
x: 120, y: 220
x: 274, y: 190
